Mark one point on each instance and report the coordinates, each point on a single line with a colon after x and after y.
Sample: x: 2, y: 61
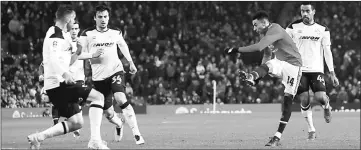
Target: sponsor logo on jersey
x: 313, y: 38
x: 103, y: 44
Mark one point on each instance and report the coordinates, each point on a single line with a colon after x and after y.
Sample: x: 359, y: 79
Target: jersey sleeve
x: 273, y: 34
x: 119, y: 37
x: 123, y: 46
x: 326, y: 38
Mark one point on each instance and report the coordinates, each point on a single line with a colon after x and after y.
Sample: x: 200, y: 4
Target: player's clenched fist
x: 230, y: 50
x: 132, y: 67
x: 98, y: 53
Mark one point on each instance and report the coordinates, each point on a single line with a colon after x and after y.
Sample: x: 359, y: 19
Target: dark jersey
x: 284, y: 48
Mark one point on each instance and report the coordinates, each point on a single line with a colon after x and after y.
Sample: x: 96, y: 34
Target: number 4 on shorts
x: 320, y: 78
x: 290, y: 80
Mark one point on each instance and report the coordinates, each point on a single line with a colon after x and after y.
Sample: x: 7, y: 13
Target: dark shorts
x: 65, y: 99
x: 314, y: 80
x: 109, y: 86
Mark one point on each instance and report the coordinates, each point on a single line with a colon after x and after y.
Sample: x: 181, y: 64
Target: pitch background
x: 200, y: 131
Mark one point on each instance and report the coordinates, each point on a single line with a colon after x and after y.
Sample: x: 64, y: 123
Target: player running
x: 286, y: 65
x: 314, y: 43
x: 61, y: 88
x: 107, y: 70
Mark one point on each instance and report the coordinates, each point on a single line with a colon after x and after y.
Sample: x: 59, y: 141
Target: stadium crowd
x: 177, y: 47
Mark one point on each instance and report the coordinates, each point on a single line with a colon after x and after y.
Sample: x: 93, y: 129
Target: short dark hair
x: 63, y: 10
x: 260, y: 15
x: 313, y: 5
x: 101, y: 8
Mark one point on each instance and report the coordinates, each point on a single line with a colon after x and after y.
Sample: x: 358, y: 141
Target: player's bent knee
x: 120, y: 98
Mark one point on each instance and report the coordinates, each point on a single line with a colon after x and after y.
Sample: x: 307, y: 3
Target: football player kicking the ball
x: 286, y: 65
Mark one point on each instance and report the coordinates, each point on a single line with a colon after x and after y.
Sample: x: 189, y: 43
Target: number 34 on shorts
x: 117, y: 79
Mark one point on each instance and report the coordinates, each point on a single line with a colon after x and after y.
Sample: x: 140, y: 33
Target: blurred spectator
x: 264, y: 96
x: 342, y: 95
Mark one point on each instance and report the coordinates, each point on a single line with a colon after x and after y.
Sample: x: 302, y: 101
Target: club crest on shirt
x: 55, y: 44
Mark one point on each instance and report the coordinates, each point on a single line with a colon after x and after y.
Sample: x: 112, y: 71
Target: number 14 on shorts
x: 290, y: 80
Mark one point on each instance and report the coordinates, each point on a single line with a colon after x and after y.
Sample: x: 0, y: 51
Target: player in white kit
x: 107, y: 70
x: 76, y: 71
x: 313, y: 41
x: 61, y: 88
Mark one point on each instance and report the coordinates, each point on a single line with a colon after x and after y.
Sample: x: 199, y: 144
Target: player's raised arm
x: 265, y: 41
x: 273, y: 32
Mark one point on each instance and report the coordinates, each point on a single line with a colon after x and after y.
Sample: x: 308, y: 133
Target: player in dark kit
x: 286, y: 65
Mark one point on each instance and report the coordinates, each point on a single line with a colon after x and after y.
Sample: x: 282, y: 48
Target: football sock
x: 118, y: 130
x: 130, y: 118
x: 260, y: 72
x: 95, y: 117
x: 55, y: 121
x: 56, y: 130
x: 307, y: 113
x: 114, y: 119
x: 286, y: 115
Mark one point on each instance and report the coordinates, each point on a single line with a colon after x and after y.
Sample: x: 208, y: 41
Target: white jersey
x: 56, y: 56
x: 109, y: 63
x: 310, y: 40
x: 77, y: 68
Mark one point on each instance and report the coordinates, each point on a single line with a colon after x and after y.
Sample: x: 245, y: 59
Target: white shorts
x: 290, y: 74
